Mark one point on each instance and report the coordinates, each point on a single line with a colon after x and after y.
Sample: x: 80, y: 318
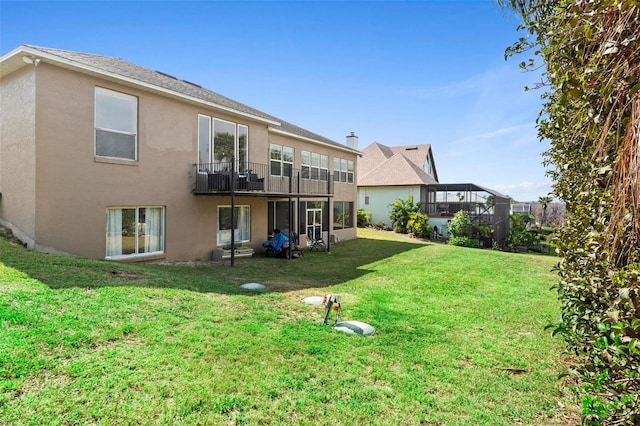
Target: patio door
x: 314, y: 224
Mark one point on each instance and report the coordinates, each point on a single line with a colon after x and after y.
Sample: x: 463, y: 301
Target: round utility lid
x: 355, y: 327
x: 252, y: 286
x: 313, y: 300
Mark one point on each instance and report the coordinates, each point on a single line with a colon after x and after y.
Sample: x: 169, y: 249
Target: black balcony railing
x: 214, y: 178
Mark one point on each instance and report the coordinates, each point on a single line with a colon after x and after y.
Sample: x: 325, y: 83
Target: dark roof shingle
x: 129, y: 70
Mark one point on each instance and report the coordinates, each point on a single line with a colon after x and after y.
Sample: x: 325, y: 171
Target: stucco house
x: 386, y: 174
x: 106, y: 159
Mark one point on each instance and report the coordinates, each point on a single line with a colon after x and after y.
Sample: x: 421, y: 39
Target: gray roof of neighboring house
x: 444, y: 187
x: 117, y: 67
x: 382, y: 165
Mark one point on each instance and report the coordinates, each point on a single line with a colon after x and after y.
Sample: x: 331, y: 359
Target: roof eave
x: 87, y: 69
x: 315, y: 141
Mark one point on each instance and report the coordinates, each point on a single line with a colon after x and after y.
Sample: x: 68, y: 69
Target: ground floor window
x: 241, y: 225
x: 135, y: 230
x: 278, y: 216
x: 342, y: 215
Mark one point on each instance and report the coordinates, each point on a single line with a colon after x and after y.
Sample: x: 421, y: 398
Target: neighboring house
x: 386, y: 174
x: 106, y: 159
x: 523, y: 208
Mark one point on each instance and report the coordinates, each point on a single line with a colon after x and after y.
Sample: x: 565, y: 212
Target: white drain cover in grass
x: 355, y: 327
x: 252, y: 286
x: 313, y: 300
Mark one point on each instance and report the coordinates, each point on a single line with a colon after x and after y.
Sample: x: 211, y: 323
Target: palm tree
x: 399, y: 215
x: 544, y: 202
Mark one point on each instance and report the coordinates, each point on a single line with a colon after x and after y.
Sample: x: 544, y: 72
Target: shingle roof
x: 130, y: 71
x: 372, y: 156
x: 417, y: 154
x: 381, y: 165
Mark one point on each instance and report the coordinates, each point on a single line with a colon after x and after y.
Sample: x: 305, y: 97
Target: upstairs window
x: 116, y: 125
x: 343, y: 170
x: 428, y: 166
x: 219, y: 141
x: 324, y: 167
x: 224, y: 141
x: 314, y: 166
x: 281, y: 160
x: 350, y: 171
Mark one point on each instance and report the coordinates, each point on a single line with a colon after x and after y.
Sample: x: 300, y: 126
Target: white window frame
x: 203, y: 163
x: 283, y: 151
x: 305, y: 164
x: 314, y: 166
x: 343, y: 170
x: 221, y: 233
x: 113, y: 244
x: 213, y: 137
x: 324, y: 167
x: 241, y: 163
x: 344, y: 206
x: 288, y: 151
x: 101, y: 91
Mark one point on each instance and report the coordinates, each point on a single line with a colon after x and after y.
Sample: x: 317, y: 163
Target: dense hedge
x: 591, y: 116
x: 464, y: 242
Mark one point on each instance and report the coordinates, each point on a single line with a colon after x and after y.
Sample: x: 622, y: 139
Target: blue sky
x: 398, y: 73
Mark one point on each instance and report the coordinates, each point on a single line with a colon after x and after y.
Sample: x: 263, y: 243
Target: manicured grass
x: 459, y: 339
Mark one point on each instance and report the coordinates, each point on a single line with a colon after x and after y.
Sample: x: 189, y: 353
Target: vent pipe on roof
x: 352, y: 141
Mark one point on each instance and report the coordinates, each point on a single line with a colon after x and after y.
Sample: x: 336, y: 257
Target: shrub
x: 364, y: 218
x: 400, y: 213
x: 460, y: 225
x: 464, y: 242
x: 520, y: 234
x: 381, y: 226
x: 590, y: 117
x: 418, y: 225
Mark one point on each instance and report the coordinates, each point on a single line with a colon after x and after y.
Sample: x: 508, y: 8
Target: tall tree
x: 544, y: 202
x: 591, y: 116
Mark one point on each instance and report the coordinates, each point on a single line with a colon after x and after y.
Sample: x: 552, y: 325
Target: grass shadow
x: 346, y: 261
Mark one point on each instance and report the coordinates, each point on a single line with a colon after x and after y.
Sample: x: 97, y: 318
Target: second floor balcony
x: 259, y: 179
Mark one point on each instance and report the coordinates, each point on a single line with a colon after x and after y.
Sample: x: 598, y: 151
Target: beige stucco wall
x: 72, y: 189
x: 341, y: 191
x: 17, y: 153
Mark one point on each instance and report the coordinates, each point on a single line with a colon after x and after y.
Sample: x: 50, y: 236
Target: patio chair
x: 317, y: 244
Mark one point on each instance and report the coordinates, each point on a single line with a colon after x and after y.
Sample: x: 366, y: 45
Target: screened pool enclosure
x: 488, y: 209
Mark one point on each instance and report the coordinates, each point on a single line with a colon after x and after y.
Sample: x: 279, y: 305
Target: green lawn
x: 459, y: 339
